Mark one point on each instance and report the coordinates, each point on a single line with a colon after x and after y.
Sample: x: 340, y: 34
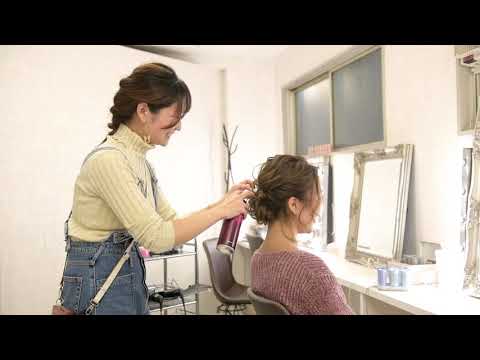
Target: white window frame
x: 468, y: 93
x: 312, y: 82
x: 321, y: 73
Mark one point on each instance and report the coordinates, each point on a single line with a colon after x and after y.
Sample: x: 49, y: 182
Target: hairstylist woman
x: 116, y: 199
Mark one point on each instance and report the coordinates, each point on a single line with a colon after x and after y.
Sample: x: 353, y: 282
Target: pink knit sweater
x: 299, y: 281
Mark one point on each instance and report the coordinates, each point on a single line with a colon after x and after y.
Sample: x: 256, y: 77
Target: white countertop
x: 419, y: 299
x: 429, y: 300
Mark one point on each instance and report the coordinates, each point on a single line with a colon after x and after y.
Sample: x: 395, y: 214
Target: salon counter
x: 359, y: 284
x: 428, y: 300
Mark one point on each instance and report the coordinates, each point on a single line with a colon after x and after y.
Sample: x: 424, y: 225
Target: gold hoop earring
x: 147, y: 137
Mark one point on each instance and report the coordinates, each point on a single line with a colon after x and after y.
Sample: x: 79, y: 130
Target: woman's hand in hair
x: 243, y: 185
x: 234, y: 202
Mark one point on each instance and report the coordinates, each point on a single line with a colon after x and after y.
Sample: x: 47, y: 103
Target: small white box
x: 422, y: 274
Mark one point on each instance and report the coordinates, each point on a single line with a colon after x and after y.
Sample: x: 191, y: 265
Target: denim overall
x: 88, y: 264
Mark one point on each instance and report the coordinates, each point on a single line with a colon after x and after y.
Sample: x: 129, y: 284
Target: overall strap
x: 106, y: 285
x: 97, y: 149
x: 108, y: 282
x: 154, y: 182
x: 65, y: 228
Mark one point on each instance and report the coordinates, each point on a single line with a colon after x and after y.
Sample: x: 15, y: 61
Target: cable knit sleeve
x: 325, y: 295
x: 114, y: 181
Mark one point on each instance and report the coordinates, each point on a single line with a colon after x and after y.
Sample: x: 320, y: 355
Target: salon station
x: 393, y: 130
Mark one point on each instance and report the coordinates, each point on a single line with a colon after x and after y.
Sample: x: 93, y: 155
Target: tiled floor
x: 208, y: 306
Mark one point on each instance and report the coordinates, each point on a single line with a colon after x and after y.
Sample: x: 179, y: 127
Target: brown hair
x: 155, y: 84
x: 280, y: 178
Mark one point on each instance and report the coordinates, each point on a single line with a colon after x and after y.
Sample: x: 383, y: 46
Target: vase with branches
x: 230, y: 151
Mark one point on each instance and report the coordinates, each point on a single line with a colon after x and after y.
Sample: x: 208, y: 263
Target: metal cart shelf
x: 190, y: 297
x: 191, y: 294
x: 160, y: 257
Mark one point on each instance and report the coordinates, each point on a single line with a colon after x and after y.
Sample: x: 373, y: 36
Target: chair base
x: 227, y: 309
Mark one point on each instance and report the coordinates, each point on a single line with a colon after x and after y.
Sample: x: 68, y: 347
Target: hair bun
x: 259, y: 207
x: 279, y: 178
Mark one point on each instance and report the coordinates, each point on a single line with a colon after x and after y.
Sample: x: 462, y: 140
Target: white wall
x: 420, y: 108
x: 54, y: 110
x: 250, y: 104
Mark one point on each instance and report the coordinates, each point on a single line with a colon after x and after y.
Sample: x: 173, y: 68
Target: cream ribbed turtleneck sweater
x: 108, y: 196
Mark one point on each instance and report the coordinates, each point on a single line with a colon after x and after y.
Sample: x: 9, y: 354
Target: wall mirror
x: 378, y: 205
x: 322, y: 229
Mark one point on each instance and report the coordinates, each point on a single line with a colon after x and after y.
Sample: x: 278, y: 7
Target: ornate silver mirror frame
x: 472, y: 265
x: 466, y: 182
x: 352, y: 253
x: 323, y: 226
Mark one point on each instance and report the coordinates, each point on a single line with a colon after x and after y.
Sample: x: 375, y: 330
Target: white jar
x: 450, y: 269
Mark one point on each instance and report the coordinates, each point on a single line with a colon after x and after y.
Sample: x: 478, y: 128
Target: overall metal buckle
x: 90, y: 308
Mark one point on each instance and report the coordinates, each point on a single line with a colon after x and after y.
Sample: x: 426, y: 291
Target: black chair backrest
x: 220, y: 266
x: 254, y: 242
x: 264, y: 306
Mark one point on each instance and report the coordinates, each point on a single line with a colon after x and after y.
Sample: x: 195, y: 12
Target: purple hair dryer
x: 229, y: 234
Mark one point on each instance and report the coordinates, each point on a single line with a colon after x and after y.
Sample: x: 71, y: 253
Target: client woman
x: 287, y: 199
